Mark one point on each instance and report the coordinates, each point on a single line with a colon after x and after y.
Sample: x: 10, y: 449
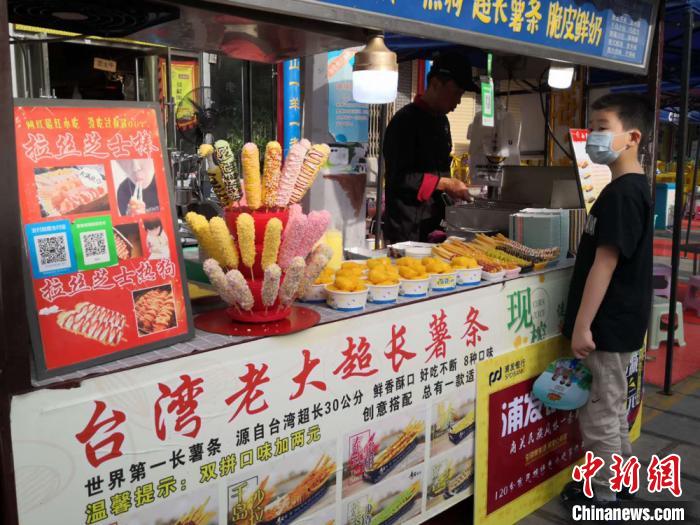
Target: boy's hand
x: 582, y: 343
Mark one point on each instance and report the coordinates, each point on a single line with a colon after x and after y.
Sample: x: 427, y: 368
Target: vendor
x: 417, y: 148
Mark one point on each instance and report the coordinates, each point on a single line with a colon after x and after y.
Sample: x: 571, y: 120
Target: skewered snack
x: 292, y: 281
x: 217, y: 183
x: 239, y: 290
x: 202, y: 231
x: 397, y: 505
x: 408, y: 434
x: 93, y: 322
x: 290, y: 172
x: 245, y: 229
x: 310, y: 485
x: 221, y: 237
x: 318, y: 260
x: 271, y: 245
x: 271, y: 285
x: 250, y: 162
x: 69, y: 200
x: 205, y: 150
x: 272, y: 171
x: 293, y: 236
x: 155, y: 311
x: 462, y: 480
x: 531, y: 254
x: 218, y: 279
x: 316, y: 225
x: 123, y: 250
x: 225, y: 159
x: 454, y: 247
x: 315, y: 158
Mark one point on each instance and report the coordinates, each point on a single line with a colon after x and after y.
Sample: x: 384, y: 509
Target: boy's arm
x: 597, y: 283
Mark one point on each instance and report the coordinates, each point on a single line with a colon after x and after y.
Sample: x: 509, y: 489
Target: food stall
x: 347, y: 413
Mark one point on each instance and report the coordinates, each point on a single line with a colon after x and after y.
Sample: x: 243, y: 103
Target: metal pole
x: 170, y: 102
x: 678, y: 211
x: 380, y: 180
x: 247, y: 100
x: 136, y: 79
x: 691, y: 210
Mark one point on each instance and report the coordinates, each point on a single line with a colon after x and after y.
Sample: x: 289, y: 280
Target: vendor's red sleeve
x: 428, y: 186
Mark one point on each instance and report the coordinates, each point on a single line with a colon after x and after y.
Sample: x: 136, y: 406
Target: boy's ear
x: 636, y: 136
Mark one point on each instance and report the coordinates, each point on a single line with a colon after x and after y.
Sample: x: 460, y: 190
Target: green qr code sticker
x: 94, y: 242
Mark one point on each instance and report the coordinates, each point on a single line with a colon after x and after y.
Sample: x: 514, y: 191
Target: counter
x: 369, y: 413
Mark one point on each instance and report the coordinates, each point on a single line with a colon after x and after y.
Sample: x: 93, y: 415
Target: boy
x: 611, y: 288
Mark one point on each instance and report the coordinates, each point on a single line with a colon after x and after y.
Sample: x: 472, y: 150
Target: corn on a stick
x: 245, y: 232
x: 292, y: 281
x: 271, y: 285
x: 225, y: 159
x: 250, y: 161
x: 271, y: 246
x: 223, y: 239
x: 272, y: 171
x: 239, y: 289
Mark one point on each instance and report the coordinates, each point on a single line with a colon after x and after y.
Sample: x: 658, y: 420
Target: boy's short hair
x: 633, y: 110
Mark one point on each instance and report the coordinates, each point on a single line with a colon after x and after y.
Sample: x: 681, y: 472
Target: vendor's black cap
x: 457, y: 67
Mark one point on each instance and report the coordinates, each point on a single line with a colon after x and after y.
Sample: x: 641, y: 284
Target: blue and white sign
x: 573, y: 26
x: 51, y: 248
x: 292, y: 103
x: 348, y: 121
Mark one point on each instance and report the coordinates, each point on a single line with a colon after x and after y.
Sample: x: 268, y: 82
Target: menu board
x: 592, y: 177
x: 103, y: 262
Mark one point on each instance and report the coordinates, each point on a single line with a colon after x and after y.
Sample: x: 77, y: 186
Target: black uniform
x: 621, y: 217
x: 417, y: 148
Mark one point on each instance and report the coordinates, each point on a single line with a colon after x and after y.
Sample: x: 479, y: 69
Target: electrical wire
x: 546, y: 122
x: 21, y: 41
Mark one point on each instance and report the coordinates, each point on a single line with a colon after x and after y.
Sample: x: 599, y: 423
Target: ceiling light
x: 375, y: 75
x: 560, y: 76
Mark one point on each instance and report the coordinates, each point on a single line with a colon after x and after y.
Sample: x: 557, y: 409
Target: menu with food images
x: 104, y: 266
x: 592, y: 177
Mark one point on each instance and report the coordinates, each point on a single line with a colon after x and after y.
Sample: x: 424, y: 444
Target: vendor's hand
x: 582, y: 342
x: 455, y: 188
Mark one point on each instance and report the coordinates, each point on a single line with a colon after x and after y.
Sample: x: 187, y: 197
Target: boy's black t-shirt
x: 621, y: 217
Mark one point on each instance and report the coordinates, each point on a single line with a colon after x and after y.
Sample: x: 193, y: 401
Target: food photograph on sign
x: 199, y: 507
x: 135, y: 186
x: 71, y: 190
x: 154, y: 309
x: 127, y: 238
x: 450, y: 474
x: 298, y: 486
x: 395, y: 500
x: 376, y: 452
x: 451, y: 421
x: 157, y: 242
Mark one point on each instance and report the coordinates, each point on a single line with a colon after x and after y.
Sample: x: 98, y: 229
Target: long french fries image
x: 462, y: 428
x: 392, y: 455
x: 397, y: 506
x: 307, y: 492
x: 461, y: 481
x: 197, y: 516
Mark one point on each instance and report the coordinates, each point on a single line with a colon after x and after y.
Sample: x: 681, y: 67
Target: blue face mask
x: 599, y: 147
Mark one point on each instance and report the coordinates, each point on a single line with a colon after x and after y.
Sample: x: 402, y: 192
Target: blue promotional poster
x: 348, y: 121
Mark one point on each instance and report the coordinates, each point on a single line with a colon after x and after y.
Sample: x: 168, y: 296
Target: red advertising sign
x: 103, y: 258
x: 528, y: 443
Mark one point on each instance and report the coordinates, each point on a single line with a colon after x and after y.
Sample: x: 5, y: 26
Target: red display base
x: 219, y: 322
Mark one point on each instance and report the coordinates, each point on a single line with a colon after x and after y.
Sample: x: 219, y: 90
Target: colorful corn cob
x: 250, y: 162
x: 225, y: 159
x: 222, y: 238
x: 293, y: 236
x: 290, y: 172
x: 201, y: 230
x: 316, y: 225
x: 271, y: 285
x: 271, y: 173
x: 315, y: 158
x: 271, y: 246
x: 218, y: 279
x: 292, y: 281
x: 245, y: 232
x: 239, y: 289
x: 217, y: 183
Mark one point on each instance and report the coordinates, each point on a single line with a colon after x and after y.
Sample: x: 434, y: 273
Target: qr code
x: 52, y: 251
x: 94, y: 245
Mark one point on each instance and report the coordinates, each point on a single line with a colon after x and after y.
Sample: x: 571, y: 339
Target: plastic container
x: 316, y: 293
x: 259, y: 313
x: 493, y: 276
x: 414, y: 287
x: 346, y: 301
x: 513, y: 273
x: 383, y: 293
x: 443, y: 282
x: 468, y: 276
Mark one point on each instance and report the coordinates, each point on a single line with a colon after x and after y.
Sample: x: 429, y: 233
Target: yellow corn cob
x: 250, y: 162
x: 222, y: 237
x: 205, y: 150
x: 217, y: 183
x: 271, y: 246
x: 200, y: 227
x: 272, y: 172
x: 245, y: 231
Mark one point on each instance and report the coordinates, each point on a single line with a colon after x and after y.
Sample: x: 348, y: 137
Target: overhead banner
x: 104, y: 271
x: 619, y: 32
x: 348, y: 121
x: 524, y: 450
x: 366, y: 420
